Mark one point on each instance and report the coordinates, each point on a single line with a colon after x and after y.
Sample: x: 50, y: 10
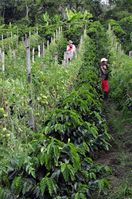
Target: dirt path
x: 119, y: 158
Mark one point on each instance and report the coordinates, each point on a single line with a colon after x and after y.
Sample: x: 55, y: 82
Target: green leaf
x: 52, y: 187
x: 102, y: 184
x: 17, y: 184
x: 27, y: 186
x: 43, y: 184
x: 49, y: 183
x: 80, y: 196
x: 74, y: 156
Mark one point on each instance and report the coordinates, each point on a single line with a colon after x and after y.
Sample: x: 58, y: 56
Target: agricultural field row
x: 121, y: 74
x: 71, y: 128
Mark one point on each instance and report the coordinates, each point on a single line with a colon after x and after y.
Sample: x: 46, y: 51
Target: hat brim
x: 102, y: 60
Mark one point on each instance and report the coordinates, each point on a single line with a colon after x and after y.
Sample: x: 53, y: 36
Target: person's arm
x: 103, y: 70
x: 74, y: 48
x: 67, y: 48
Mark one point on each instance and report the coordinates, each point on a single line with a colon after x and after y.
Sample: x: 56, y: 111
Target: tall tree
x: 13, y: 10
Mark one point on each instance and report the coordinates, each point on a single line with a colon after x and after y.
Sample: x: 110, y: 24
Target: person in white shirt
x: 71, y: 50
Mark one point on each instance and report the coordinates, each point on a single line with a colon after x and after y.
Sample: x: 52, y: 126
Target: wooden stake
x: 38, y: 50
x: 28, y: 62
x: 29, y: 77
x: 2, y: 42
x: 56, y: 34
x: 37, y: 30
x: 56, y: 58
x: 17, y: 38
x: 47, y: 44
x: 109, y: 27
x: 0, y: 57
x: 33, y: 55
x: 65, y: 58
x: 14, y: 54
x: 43, y: 49
x: 61, y: 28
x: 3, y: 61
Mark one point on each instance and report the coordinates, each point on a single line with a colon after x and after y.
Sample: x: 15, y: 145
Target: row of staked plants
x: 121, y: 74
x: 50, y: 79
x: 58, y: 161
x: 53, y: 81
x: 15, y: 90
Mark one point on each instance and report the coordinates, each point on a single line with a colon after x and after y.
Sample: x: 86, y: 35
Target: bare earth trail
x: 119, y: 158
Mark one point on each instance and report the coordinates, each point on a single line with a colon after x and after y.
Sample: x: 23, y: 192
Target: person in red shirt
x: 104, y: 77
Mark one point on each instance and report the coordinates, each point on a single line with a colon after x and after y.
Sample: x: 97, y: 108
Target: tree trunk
x: 27, y: 11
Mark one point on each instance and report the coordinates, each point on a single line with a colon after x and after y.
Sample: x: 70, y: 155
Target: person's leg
x: 106, y: 96
x: 105, y: 88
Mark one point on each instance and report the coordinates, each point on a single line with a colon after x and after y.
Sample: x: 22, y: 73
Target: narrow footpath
x: 119, y: 158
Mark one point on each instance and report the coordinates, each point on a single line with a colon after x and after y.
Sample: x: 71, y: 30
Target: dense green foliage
x: 12, y: 10
x: 123, y: 31
x: 28, y: 15
x: 61, y: 154
x: 121, y: 73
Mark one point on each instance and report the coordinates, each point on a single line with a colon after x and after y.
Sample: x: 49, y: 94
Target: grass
x: 119, y: 158
x: 122, y: 192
